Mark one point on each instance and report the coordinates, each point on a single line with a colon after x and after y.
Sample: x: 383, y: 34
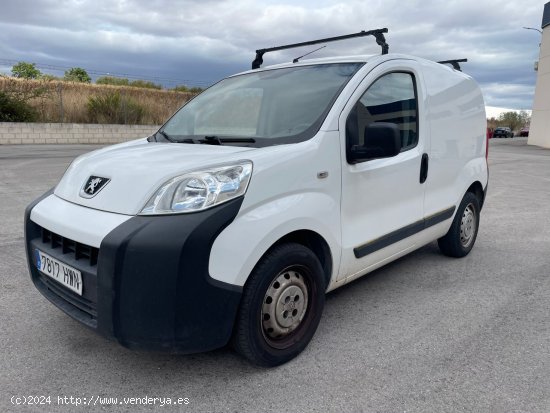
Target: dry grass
x: 58, y: 101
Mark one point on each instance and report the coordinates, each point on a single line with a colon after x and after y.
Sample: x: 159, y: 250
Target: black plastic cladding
x: 154, y: 290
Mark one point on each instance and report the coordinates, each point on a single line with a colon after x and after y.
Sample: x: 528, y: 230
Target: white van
x: 264, y: 192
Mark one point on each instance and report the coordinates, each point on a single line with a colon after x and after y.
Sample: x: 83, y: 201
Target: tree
x: 524, y: 117
x: 514, y: 120
x: 492, y: 122
x: 25, y: 70
x: 77, y: 74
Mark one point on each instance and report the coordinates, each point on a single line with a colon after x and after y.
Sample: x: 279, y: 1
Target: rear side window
x: 392, y: 98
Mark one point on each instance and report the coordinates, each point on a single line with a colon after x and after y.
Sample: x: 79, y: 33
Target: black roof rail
x: 378, y: 34
x: 454, y: 63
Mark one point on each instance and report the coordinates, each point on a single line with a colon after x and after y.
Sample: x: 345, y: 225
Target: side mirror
x: 382, y: 140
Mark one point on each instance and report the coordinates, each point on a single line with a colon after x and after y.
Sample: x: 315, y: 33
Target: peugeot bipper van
x: 260, y: 195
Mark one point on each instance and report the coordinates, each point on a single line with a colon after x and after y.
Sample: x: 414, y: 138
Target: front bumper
x: 148, y: 286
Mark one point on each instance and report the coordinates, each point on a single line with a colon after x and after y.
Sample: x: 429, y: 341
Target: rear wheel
x: 460, y: 238
x: 281, y: 306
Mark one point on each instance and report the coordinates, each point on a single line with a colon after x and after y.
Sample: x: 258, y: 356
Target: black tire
x: 288, y: 279
x: 461, y: 237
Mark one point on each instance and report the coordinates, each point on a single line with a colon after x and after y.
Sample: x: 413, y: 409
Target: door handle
x: 424, y: 168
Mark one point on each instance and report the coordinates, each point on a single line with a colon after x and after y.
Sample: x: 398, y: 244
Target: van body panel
x: 381, y: 196
x: 280, y: 203
x: 457, y: 121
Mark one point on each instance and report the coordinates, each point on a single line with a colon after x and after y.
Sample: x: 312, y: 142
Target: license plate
x: 62, y: 273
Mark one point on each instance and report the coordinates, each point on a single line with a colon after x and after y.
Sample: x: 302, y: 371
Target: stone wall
x: 66, y: 133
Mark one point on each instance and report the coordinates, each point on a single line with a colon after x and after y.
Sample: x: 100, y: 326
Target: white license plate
x: 65, y: 274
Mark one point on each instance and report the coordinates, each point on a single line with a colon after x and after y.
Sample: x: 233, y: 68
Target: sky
x: 198, y: 42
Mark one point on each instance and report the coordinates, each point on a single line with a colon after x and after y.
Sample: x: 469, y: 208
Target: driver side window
x: 391, y: 99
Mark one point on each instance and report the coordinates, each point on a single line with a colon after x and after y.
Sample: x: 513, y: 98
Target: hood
x: 136, y: 170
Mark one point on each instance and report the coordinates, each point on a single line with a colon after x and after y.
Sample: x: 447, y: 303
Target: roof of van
x: 342, y: 59
x: 321, y: 60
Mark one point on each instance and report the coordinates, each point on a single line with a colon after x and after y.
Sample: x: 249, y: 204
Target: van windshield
x: 262, y: 108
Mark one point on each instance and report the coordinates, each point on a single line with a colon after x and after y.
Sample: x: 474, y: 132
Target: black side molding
x: 402, y: 233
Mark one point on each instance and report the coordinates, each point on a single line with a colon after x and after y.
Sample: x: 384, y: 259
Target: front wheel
x: 460, y: 238
x: 281, y: 306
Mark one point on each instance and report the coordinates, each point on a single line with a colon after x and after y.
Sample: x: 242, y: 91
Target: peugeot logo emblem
x: 93, y: 185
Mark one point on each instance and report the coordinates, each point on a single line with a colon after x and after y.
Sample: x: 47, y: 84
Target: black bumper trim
x: 162, y: 296
x: 154, y: 290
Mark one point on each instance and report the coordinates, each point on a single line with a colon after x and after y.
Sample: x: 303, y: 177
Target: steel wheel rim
x: 468, y: 225
x: 284, y: 307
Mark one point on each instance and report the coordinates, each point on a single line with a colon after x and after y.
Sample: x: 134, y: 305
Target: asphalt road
x: 424, y: 334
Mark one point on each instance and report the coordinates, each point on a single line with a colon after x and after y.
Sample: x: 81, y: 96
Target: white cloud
x: 494, y: 112
x: 211, y: 38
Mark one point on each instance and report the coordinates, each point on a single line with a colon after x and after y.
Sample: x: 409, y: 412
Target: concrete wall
x: 539, y: 131
x: 43, y: 133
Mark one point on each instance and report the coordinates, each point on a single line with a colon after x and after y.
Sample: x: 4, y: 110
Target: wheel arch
x: 316, y: 243
x: 311, y: 240
x: 477, y: 189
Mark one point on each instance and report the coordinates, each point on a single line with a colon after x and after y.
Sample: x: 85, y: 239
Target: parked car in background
x: 503, y: 132
x: 524, y: 131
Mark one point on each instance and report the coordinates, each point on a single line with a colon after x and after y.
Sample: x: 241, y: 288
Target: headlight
x: 200, y: 190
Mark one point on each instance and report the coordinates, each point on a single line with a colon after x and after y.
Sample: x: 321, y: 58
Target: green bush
x: 77, y: 74
x: 114, y: 108
x: 15, y: 110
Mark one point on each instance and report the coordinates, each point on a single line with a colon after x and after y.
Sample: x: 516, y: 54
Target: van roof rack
x: 378, y: 34
x: 454, y: 63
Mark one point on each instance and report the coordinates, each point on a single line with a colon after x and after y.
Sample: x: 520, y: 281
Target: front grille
x: 80, y: 256
x: 80, y: 251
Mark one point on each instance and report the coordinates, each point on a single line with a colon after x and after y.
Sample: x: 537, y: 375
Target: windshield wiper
x: 215, y: 140
x: 212, y: 140
x: 186, y: 140
x: 164, y: 135
x: 170, y: 139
